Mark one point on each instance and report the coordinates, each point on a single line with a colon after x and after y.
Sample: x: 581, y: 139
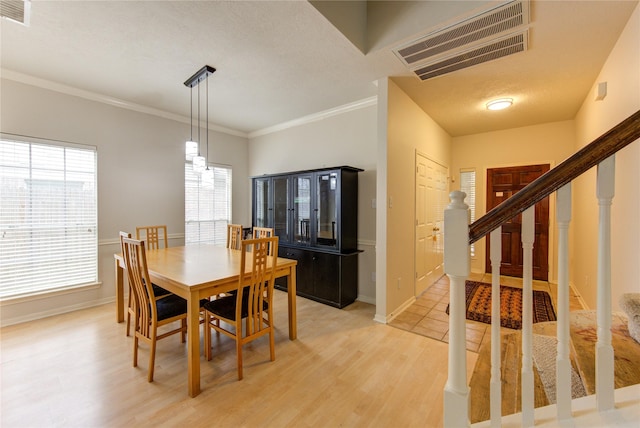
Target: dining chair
x: 149, y: 313
x: 234, y: 236
x: 253, y: 301
x: 158, y: 292
x: 153, y: 235
x: 264, y: 232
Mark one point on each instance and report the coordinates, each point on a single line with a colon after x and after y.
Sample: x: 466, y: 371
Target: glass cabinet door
x: 327, y: 209
x: 302, y: 209
x: 261, y: 207
x: 281, y: 208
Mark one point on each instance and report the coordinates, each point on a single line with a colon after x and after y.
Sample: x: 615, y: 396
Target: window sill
x: 45, y: 294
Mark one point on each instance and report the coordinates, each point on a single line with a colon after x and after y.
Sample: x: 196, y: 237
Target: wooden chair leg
x: 152, y: 358
x: 272, y: 344
x: 129, y: 311
x: 207, y: 335
x: 183, y: 333
x: 135, y: 350
x: 239, y: 355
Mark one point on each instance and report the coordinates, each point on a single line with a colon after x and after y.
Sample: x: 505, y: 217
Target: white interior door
x: 422, y: 233
x: 431, y: 199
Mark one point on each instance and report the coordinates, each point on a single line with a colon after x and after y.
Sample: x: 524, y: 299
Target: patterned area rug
x: 478, y: 297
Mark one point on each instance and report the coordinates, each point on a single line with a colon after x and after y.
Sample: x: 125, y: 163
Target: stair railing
x: 458, y: 237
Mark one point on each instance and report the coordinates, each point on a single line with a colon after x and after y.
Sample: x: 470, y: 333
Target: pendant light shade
x: 207, y: 176
x: 192, y: 148
x: 199, y: 163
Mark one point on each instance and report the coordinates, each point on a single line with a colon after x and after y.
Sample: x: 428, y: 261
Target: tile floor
x: 427, y: 316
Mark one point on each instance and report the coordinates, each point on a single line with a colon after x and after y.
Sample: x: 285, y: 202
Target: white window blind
x: 48, y: 216
x: 468, y: 186
x: 207, y: 198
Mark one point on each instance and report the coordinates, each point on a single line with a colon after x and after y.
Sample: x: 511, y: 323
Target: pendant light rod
x: 199, y: 122
x: 199, y: 76
x: 207, y: 110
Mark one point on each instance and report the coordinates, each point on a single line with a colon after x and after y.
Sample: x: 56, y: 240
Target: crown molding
x: 366, y: 102
x: 105, y: 99
x: 116, y: 102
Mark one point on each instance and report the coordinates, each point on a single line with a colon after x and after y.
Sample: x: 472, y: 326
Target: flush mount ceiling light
x: 192, y: 149
x: 499, y: 104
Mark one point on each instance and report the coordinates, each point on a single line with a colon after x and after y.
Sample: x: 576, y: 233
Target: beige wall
x: 140, y: 174
x: 346, y: 138
x: 622, y: 74
x: 548, y: 143
x: 409, y: 130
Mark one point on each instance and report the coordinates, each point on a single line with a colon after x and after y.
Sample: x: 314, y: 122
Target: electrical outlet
x: 399, y: 279
x: 373, y: 277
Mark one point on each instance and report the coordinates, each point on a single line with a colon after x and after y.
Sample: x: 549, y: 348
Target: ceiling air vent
x: 16, y: 10
x: 493, y: 34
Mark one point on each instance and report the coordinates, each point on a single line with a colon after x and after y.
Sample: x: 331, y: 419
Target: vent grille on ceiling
x: 510, y: 45
x: 496, y: 33
x: 15, y: 10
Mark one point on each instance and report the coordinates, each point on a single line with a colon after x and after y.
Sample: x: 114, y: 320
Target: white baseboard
x: 401, y: 309
x: 366, y: 299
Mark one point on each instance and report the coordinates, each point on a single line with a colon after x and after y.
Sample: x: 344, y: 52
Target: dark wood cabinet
x: 315, y: 215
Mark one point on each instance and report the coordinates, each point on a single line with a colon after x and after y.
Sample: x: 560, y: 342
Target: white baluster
x: 496, y: 381
x: 563, y: 363
x: 604, y: 350
x: 528, y: 236
x: 456, y: 266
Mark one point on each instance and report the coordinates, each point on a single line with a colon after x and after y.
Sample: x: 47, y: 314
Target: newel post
x: 456, y: 266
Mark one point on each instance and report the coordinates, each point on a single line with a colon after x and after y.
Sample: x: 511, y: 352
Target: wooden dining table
x: 196, y: 272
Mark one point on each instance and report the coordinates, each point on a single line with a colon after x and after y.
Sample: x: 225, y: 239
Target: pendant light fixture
x: 192, y: 149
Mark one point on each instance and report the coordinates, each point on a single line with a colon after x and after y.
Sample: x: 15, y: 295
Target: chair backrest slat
x: 155, y: 236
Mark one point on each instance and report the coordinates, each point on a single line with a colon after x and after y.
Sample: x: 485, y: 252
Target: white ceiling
x: 278, y: 61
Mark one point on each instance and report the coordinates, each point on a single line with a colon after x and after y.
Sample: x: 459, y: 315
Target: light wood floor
x: 343, y: 370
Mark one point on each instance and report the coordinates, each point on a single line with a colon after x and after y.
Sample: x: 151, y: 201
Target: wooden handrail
x: 623, y: 134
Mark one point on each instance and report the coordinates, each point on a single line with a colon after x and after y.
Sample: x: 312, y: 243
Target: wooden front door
x: 502, y: 183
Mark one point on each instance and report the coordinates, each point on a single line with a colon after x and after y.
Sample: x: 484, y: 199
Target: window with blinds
x: 207, y: 199
x: 48, y: 216
x: 468, y: 186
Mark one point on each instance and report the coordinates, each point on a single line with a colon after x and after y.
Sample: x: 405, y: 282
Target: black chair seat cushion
x: 172, y: 306
x: 159, y: 291
x: 226, y: 306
